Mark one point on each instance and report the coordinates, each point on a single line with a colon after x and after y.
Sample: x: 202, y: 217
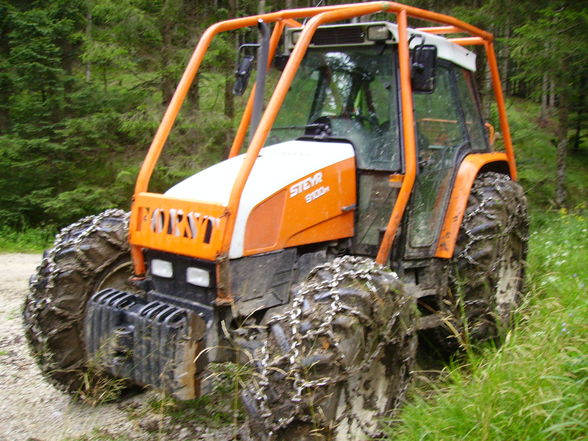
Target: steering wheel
x: 319, y: 127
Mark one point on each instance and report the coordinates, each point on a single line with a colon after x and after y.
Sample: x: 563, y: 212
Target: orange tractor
x: 368, y: 209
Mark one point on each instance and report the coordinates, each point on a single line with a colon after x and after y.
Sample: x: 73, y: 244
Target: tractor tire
x: 87, y: 256
x: 486, y: 275
x: 336, y: 359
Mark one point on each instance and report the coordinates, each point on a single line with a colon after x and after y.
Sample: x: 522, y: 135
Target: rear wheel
x: 487, y: 272
x: 336, y: 359
x: 87, y: 256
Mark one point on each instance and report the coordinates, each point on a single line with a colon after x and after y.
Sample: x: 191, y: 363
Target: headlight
x: 198, y: 277
x: 162, y: 268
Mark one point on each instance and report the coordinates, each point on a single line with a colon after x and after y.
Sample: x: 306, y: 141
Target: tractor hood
x: 290, y: 168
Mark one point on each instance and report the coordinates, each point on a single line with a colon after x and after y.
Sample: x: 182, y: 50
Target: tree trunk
x: 562, y: 151
x: 88, y: 38
x: 506, y: 61
x: 229, y: 98
x: 194, y: 94
x: 544, y: 101
x: 167, y: 84
x: 487, y: 93
x: 5, y: 89
x: 579, y: 115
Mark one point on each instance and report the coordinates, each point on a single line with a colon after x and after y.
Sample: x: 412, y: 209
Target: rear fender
x: 469, y: 169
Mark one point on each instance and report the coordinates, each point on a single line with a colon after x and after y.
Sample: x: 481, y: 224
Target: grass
x: 535, y: 386
x: 32, y: 240
x: 218, y: 408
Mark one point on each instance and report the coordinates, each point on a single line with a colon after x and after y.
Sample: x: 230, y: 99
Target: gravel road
x: 32, y: 410
x: 29, y: 407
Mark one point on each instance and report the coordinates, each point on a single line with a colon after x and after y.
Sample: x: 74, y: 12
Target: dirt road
x: 32, y: 410
x: 29, y: 407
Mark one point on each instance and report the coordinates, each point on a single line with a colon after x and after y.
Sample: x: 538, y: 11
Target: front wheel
x: 86, y: 257
x: 487, y: 272
x: 337, y: 358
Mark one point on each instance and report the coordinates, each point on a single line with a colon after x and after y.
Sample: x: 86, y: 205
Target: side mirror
x: 242, y: 74
x: 423, y: 67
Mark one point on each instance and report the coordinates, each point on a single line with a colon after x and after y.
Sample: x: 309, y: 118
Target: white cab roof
x: 446, y: 50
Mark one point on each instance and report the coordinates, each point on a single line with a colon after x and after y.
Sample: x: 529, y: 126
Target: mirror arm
x: 262, y: 58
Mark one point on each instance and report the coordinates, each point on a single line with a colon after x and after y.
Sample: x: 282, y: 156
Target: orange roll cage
x: 318, y: 16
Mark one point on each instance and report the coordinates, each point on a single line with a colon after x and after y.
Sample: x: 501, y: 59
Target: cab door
x: 446, y: 131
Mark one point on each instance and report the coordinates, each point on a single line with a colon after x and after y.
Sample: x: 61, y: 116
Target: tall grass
x: 535, y: 386
x: 32, y: 240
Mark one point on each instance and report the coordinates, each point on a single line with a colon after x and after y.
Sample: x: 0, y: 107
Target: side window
x: 381, y: 103
x: 471, y: 111
x: 440, y: 134
x: 437, y: 116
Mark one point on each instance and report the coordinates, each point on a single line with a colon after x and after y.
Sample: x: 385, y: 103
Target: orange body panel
x: 464, y: 180
x: 316, y: 208
x: 332, y: 229
x: 264, y: 223
x: 179, y: 226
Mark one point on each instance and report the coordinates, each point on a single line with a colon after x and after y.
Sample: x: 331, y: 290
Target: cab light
x: 378, y: 33
x: 198, y: 277
x: 162, y: 268
x: 296, y: 36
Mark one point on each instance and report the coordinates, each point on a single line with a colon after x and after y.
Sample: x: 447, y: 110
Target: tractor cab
x: 346, y: 89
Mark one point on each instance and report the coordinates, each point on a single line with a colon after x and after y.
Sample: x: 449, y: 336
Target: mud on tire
x: 86, y: 256
x: 487, y: 273
x: 339, y: 357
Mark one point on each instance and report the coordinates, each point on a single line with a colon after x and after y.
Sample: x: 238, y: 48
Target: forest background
x: 84, y: 83
x: 83, y: 87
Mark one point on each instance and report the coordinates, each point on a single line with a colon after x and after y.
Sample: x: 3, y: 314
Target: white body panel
x: 277, y: 167
x: 445, y: 49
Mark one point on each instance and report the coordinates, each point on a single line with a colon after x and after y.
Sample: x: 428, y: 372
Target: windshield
x: 345, y: 93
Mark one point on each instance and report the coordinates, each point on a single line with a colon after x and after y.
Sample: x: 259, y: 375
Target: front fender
x: 469, y: 169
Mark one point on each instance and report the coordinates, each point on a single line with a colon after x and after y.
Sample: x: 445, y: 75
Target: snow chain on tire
x: 84, y: 254
x: 487, y: 273
x: 338, y: 359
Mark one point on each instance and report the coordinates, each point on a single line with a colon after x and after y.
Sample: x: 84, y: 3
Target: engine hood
x: 277, y: 167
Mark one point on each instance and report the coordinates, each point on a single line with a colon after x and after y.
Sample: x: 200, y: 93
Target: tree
x: 556, y: 42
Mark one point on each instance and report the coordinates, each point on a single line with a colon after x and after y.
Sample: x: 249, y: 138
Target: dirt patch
x: 31, y: 409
